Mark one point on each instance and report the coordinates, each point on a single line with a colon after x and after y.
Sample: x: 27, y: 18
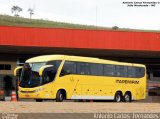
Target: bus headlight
x: 39, y: 89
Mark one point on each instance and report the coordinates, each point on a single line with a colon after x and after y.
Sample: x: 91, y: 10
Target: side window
x: 96, y: 69
x: 140, y: 71
x: 83, y: 68
x: 109, y: 70
x: 56, y: 63
x: 5, y: 67
x: 68, y: 68
x: 121, y: 71
x: 131, y: 72
x: 49, y: 75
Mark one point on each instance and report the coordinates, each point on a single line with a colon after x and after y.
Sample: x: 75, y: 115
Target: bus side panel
x: 138, y: 91
x: 69, y: 83
x: 98, y: 87
x: 95, y: 87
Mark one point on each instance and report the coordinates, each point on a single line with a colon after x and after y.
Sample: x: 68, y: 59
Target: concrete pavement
x: 77, y: 107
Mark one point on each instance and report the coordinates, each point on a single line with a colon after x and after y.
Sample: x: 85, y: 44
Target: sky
x: 107, y: 13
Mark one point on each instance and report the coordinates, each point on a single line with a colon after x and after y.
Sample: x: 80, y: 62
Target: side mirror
x: 45, y: 68
x: 18, y: 70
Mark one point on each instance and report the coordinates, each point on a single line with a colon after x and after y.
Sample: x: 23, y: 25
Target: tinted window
x: 140, y: 71
x: 109, y: 70
x: 131, y: 72
x: 1, y: 66
x: 30, y: 75
x: 50, y: 75
x: 56, y: 63
x: 83, y: 68
x: 121, y: 71
x: 96, y: 69
x: 7, y: 67
x: 68, y: 68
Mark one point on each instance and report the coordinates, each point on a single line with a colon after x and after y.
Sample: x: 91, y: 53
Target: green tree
x: 31, y: 12
x: 115, y: 27
x: 15, y: 10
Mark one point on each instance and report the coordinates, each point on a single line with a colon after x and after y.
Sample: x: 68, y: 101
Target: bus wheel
x: 39, y: 100
x: 60, y: 96
x: 127, y: 97
x: 118, y: 97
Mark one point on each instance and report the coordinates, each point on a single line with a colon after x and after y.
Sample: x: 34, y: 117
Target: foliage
x: 31, y: 12
x: 15, y: 10
x: 115, y: 27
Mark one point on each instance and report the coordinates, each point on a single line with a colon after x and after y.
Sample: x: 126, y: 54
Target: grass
x: 19, y: 21
x: 6, y: 20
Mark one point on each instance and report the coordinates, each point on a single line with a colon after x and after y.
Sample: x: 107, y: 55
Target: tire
x: 118, y: 97
x: 60, y: 96
x: 127, y: 97
x: 39, y: 100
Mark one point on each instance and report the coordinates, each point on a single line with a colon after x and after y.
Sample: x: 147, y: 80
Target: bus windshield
x: 30, y: 75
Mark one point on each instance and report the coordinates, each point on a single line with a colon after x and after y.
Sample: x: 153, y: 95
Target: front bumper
x: 30, y: 95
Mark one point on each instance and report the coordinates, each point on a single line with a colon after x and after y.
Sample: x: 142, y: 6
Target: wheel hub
x: 127, y: 98
x: 118, y: 98
x: 61, y: 97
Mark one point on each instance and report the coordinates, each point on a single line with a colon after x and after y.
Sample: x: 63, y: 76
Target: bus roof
x: 46, y: 58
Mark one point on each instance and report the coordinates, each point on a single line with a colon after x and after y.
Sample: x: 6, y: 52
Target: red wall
x: 76, y: 38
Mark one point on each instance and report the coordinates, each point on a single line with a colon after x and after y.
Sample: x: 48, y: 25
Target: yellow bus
x: 63, y: 77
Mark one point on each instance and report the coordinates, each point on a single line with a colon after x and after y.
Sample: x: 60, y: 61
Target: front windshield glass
x: 30, y: 75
